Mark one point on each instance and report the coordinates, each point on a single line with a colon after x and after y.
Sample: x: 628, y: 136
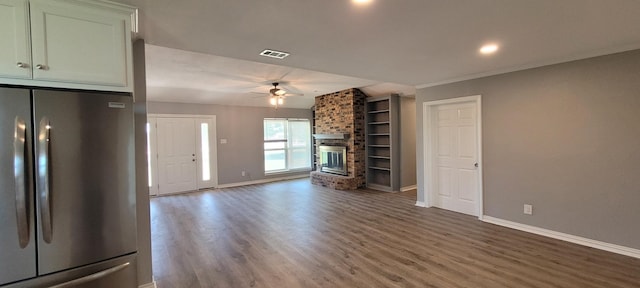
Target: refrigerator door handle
x: 43, y: 179
x: 22, y: 215
x: 92, y: 277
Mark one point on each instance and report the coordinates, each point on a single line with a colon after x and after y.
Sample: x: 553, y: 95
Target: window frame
x: 287, y: 147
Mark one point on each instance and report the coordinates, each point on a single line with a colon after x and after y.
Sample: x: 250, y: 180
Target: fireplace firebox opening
x: 333, y: 159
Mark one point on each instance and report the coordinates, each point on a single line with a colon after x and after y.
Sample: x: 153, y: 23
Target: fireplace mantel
x: 330, y: 136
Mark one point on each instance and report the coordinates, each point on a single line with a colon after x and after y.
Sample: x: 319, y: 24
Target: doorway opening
x: 182, y: 153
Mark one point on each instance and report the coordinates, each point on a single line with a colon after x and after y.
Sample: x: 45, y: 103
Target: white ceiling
x: 410, y: 42
x: 189, y: 77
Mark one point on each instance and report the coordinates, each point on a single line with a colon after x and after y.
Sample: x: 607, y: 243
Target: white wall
x: 564, y: 138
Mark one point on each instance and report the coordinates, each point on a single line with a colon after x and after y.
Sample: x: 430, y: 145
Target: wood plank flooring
x: 294, y: 234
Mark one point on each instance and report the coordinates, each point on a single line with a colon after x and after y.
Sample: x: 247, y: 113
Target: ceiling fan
x: 276, y: 95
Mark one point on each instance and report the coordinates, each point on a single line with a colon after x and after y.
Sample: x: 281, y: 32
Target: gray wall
x: 145, y: 274
x: 407, y: 142
x: 565, y: 138
x: 243, y: 129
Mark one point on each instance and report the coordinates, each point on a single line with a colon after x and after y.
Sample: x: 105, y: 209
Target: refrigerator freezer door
x: 17, y: 240
x: 114, y: 273
x: 84, y: 178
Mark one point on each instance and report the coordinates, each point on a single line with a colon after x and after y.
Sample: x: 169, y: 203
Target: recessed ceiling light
x: 489, y: 49
x: 361, y: 2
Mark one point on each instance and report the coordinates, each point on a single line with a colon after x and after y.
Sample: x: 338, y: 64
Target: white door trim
x: 428, y: 137
x: 180, y: 116
x: 153, y: 155
x: 213, y: 145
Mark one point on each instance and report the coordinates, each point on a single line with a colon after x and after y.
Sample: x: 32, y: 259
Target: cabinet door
x: 78, y: 44
x: 15, y: 50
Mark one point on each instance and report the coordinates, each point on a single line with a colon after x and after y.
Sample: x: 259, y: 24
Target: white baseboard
x: 421, y: 204
x: 407, y: 188
x: 262, y: 181
x: 151, y: 284
x: 631, y: 252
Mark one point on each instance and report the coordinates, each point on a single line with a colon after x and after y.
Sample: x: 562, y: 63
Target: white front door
x: 177, y: 164
x: 455, y: 171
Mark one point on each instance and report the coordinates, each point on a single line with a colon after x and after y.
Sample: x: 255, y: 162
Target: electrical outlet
x: 528, y: 209
x: 244, y: 173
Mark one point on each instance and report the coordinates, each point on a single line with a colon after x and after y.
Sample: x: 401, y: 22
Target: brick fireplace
x: 342, y: 113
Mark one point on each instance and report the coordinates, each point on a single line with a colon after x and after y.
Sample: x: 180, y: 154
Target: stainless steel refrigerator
x: 67, y: 198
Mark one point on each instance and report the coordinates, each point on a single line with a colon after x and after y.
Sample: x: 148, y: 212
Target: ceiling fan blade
x: 278, y: 89
x: 290, y: 89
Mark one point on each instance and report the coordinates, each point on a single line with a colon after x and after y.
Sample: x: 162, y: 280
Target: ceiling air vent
x: 274, y: 54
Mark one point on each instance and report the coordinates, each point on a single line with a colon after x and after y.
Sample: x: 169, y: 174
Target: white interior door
x: 455, y: 148
x: 177, y: 166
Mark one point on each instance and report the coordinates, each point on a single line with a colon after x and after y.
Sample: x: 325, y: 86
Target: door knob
x: 475, y: 165
x: 21, y: 65
x: 194, y: 160
x: 41, y: 67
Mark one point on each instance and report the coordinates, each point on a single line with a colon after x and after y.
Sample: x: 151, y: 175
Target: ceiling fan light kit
x: 276, y: 95
x: 277, y: 91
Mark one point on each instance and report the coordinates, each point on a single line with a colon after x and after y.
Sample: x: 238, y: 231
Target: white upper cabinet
x: 72, y: 44
x: 15, y: 49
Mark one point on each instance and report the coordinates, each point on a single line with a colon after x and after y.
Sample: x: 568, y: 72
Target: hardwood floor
x: 294, y: 234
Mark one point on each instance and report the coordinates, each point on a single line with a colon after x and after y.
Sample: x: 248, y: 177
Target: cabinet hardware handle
x: 41, y: 67
x: 22, y: 218
x: 92, y: 277
x: 43, y: 179
x: 21, y: 65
